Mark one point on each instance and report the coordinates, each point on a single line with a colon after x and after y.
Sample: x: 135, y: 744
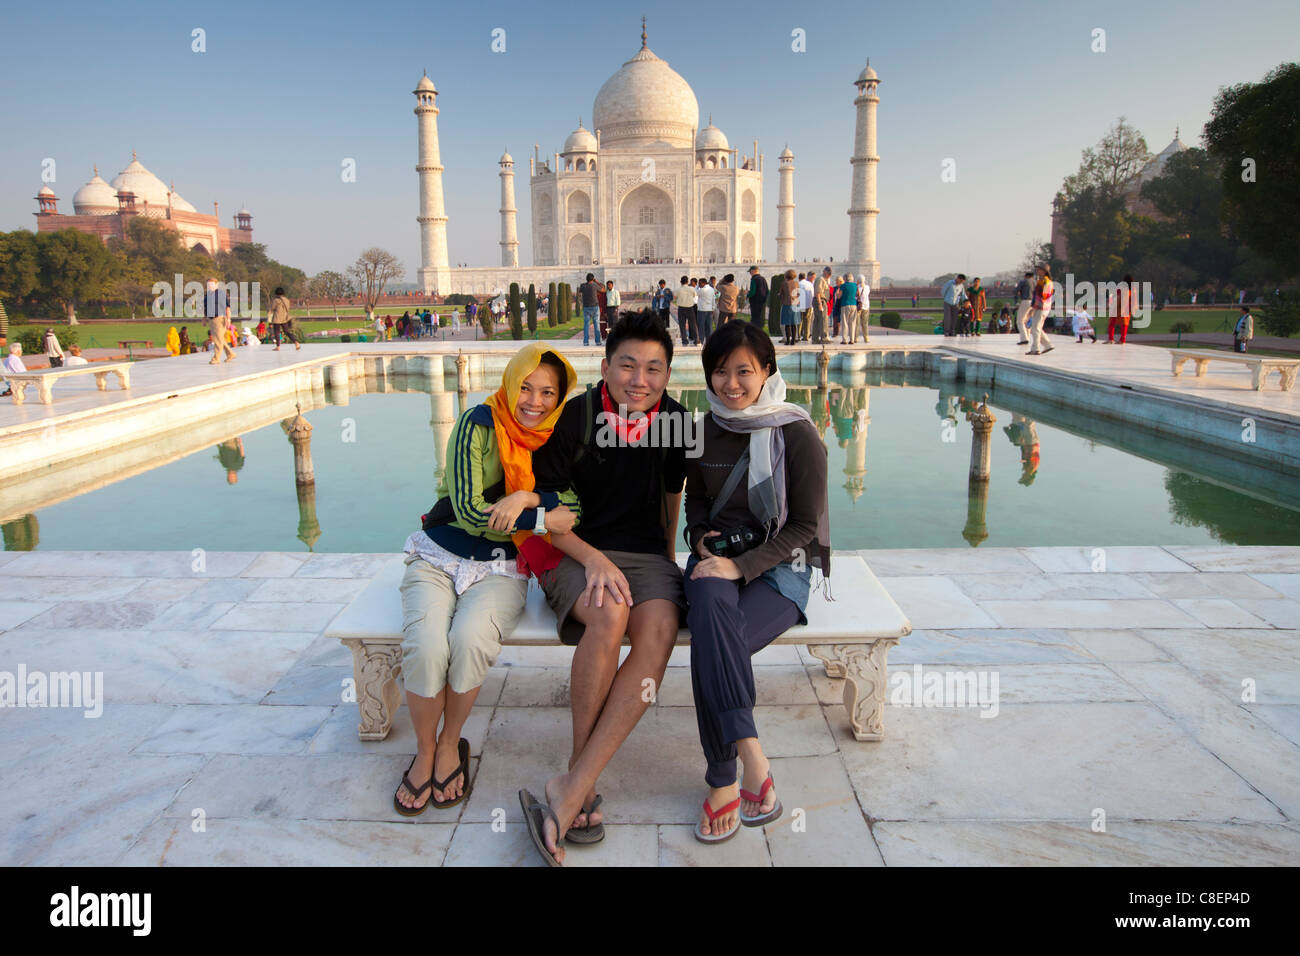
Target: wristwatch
x: 540, y: 526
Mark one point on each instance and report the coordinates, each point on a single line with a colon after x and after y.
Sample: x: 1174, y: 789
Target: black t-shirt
x: 621, y: 489
x: 588, y: 291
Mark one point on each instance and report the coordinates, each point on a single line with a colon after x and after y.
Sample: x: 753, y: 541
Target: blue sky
x: 285, y: 92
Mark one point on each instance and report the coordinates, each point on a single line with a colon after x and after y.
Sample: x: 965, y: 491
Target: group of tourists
x: 574, y: 487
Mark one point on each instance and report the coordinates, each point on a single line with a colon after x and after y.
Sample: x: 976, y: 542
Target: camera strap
x: 739, y: 471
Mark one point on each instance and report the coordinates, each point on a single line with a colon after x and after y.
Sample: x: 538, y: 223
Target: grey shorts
x: 649, y: 576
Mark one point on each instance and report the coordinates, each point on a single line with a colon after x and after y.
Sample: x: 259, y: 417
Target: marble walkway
x: 1145, y: 714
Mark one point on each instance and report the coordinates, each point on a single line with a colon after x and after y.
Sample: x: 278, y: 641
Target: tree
x: 332, y: 287
x: 374, y: 269
x: 1037, y: 253
x: 516, y: 318
x: 248, y: 262
x: 552, y: 305
x: 1097, y: 225
x: 532, y: 308
x: 20, y: 265
x: 1254, y: 133
x: 75, y: 267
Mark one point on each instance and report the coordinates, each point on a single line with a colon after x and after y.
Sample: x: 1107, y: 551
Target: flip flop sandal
x: 713, y: 815
x: 590, y: 833
x: 536, y: 814
x: 765, y: 818
x: 415, y: 792
x: 463, y: 750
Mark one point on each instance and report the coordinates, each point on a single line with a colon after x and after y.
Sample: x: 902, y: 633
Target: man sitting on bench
x: 619, y: 575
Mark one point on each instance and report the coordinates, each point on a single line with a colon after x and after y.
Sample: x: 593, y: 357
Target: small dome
x: 506, y: 157
x: 867, y: 74
x: 243, y: 211
x: 94, y: 197
x: 146, y: 186
x: 46, y: 191
x: 581, y: 140
x: 425, y: 85
x: 786, y: 154
x: 711, y: 138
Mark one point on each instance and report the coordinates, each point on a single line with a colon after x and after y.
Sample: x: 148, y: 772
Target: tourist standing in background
x: 282, y: 321
x: 1122, y: 312
x: 757, y: 295
x: 805, y: 306
x: 821, y: 299
x: 613, y: 300
x: 954, y: 294
x: 217, y: 311
x: 75, y: 357
x: 53, y: 350
x: 662, y: 302
x: 706, y: 298
x: 589, y: 297
x: 728, y: 299
x: 848, y: 296
x: 686, y: 298
x: 1024, y: 298
x: 1039, y: 306
x: 978, y: 302
x: 1244, y: 331
x: 789, y: 317
x: 864, y: 307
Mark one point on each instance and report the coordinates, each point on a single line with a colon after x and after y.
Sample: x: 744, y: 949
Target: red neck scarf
x: 629, y: 433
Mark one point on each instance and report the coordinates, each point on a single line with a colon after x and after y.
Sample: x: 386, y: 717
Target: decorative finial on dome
x: 643, y: 37
x: 133, y: 156
x: 96, y: 169
x: 1175, y: 132
x: 710, y: 119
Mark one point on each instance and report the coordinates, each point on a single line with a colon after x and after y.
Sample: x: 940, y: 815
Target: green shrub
x: 512, y: 310
x: 1181, y: 326
x: 891, y: 320
x: 345, y: 338
x: 532, y: 308
x: 552, y: 305
x: 32, y: 339
x: 485, y: 320
x: 1281, y: 314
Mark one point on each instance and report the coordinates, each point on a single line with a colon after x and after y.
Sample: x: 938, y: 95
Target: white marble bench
x: 45, y: 378
x: 851, y: 635
x: 1259, y: 365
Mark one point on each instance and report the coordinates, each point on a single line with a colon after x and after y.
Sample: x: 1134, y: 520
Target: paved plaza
x: 1119, y: 693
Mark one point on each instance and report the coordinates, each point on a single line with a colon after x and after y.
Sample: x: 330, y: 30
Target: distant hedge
x: 891, y: 320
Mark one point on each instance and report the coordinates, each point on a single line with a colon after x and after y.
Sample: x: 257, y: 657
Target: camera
x: 733, y: 542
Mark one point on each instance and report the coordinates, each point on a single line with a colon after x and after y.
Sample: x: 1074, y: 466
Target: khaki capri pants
x: 453, y: 639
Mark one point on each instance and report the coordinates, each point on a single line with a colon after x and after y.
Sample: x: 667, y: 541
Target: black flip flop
x: 415, y: 792
x: 536, y: 814
x: 463, y: 750
x: 589, y: 833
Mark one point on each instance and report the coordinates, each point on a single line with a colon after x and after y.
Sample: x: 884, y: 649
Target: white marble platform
x: 1161, y: 693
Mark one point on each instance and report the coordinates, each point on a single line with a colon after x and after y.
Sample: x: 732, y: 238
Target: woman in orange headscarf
x: 466, y: 572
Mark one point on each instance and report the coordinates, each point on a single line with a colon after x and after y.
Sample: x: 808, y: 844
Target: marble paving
x: 1147, y: 715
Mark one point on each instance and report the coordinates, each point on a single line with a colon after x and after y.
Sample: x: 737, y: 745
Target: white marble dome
x: 581, y: 140
x: 96, y: 198
x: 646, y: 102
x: 711, y: 138
x: 146, y: 186
x: 45, y: 191
x: 179, y: 203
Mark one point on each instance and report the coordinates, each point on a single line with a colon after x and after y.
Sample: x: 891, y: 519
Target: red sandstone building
x: 103, y: 209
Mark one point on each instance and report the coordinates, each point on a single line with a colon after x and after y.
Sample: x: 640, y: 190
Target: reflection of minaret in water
x: 442, y: 420
x: 981, y: 461
x: 304, y: 475
x: 855, y: 453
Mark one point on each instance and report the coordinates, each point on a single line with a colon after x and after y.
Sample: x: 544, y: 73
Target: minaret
x: 785, y: 209
x: 509, y: 234
x: 862, y: 210
x: 435, y: 275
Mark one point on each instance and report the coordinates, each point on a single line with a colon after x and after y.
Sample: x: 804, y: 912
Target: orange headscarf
x: 515, y: 443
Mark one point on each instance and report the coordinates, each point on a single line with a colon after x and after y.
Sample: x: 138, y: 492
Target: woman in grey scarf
x: 756, y: 523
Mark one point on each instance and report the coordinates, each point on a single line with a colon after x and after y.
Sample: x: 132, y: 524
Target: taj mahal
x: 645, y: 186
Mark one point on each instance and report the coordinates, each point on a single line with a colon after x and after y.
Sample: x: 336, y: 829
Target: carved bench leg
x: 1288, y: 377
x: 101, y: 380
x: 827, y: 655
x: 20, y: 392
x: 1178, y: 366
x: 1201, y: 366
x: 376, y: 666
x: 1257, y: 376
x: 865, y: 683
x: 123, y: 377
x: 46, y: 392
